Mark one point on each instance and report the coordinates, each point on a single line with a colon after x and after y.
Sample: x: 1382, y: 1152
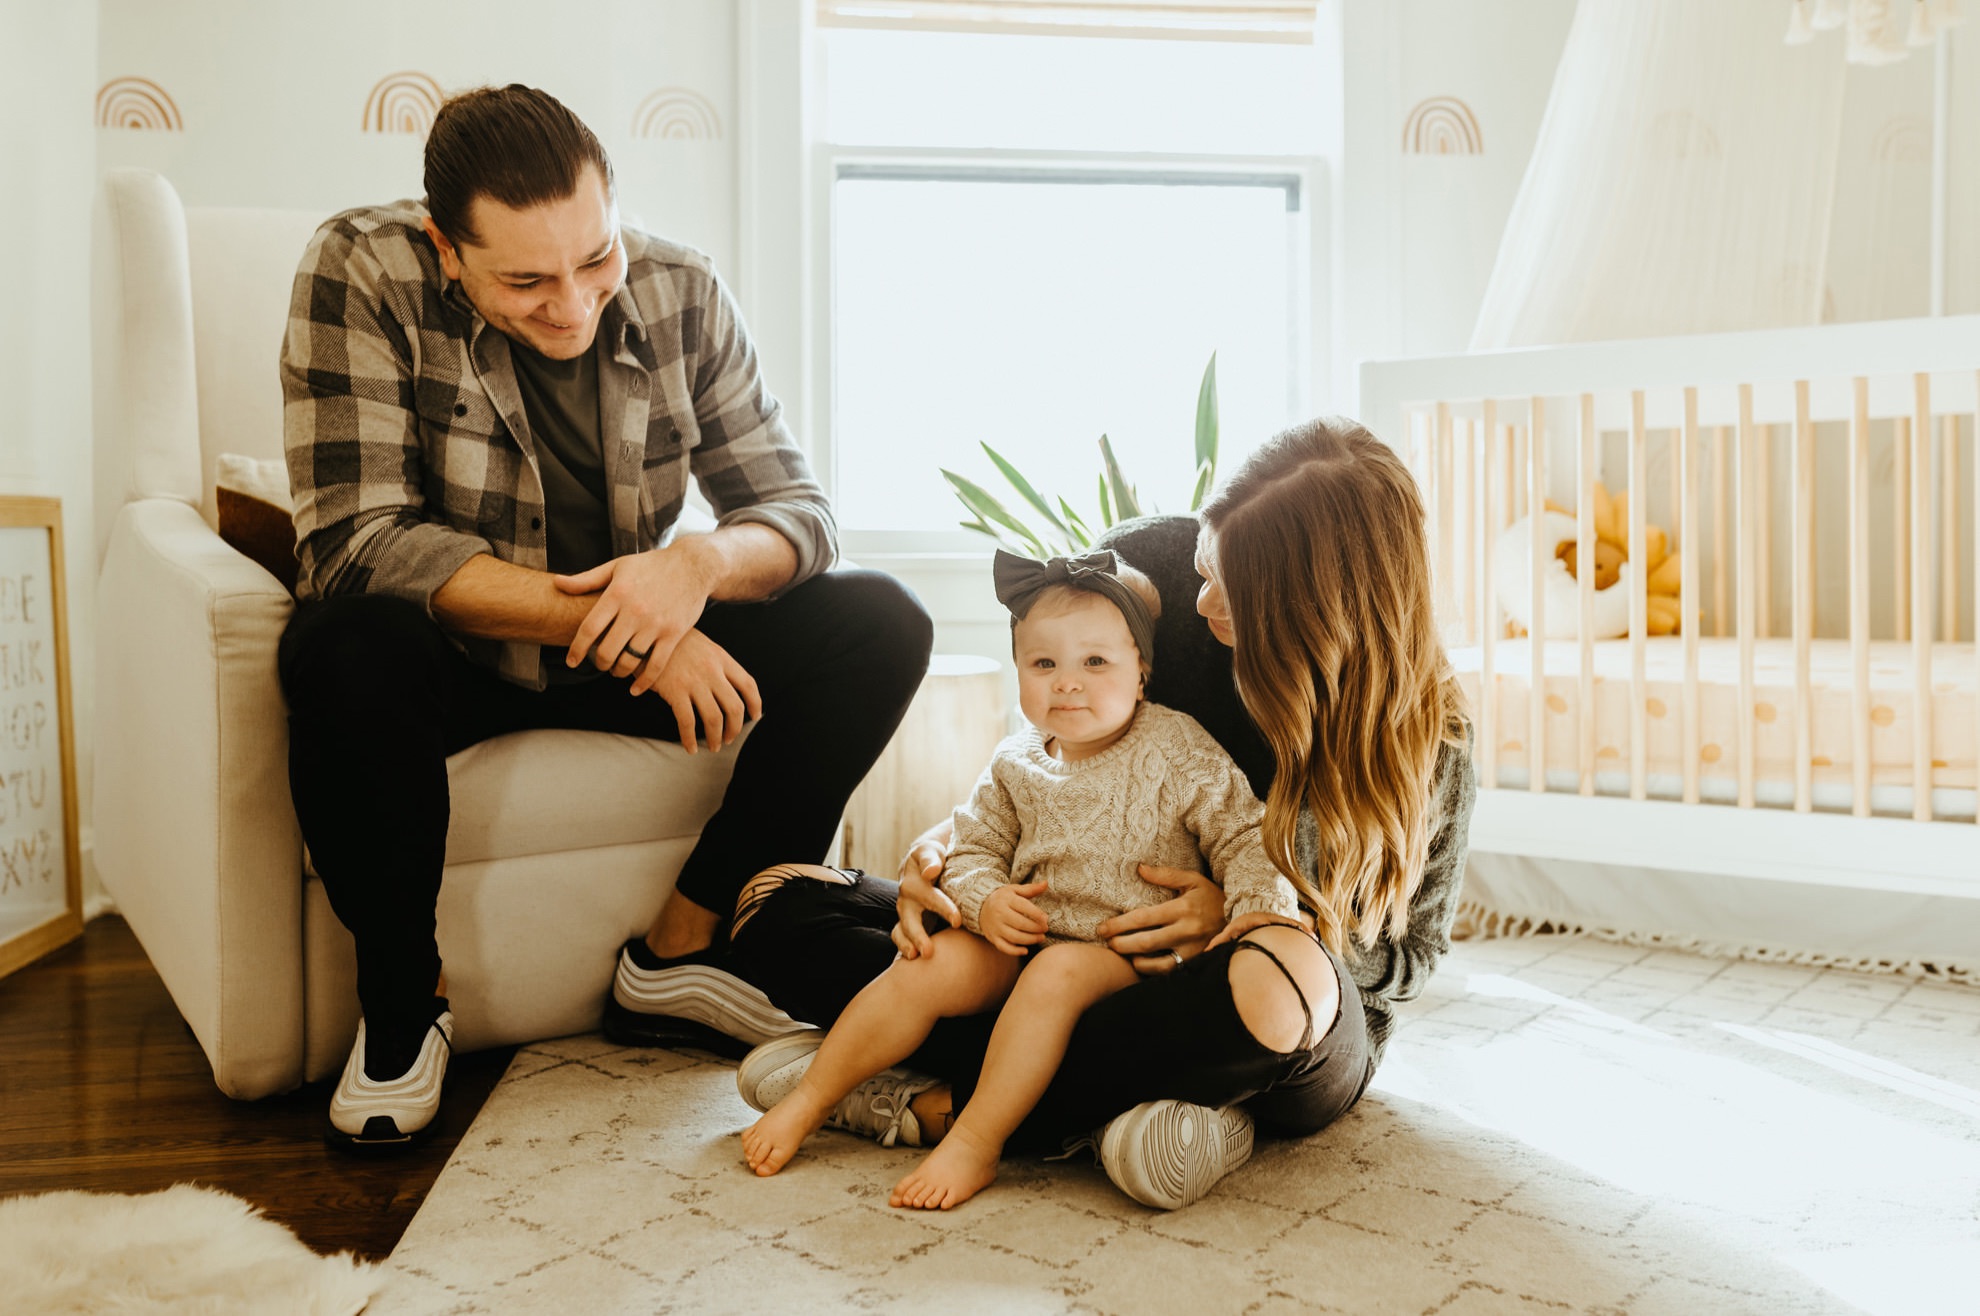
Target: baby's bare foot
x: 770, y: 1143
x: 958, y: 1169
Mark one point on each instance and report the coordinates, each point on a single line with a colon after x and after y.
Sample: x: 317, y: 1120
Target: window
x: 1034, y: 269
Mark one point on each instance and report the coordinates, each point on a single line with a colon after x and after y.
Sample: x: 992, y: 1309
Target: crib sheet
x: 1894, y: 720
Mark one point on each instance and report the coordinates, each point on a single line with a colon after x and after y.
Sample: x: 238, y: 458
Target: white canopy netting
x: 1695, y: 172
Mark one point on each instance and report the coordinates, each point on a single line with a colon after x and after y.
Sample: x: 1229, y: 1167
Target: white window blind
x: 1203, y: 20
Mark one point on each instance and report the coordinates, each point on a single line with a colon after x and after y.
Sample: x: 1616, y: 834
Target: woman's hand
x: 1010, y: 921
x: 919, y: 894
x: 1244, y: 923
x: 1184, y: 923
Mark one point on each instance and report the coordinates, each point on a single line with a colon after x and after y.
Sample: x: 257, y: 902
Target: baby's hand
x: 1009, y: 921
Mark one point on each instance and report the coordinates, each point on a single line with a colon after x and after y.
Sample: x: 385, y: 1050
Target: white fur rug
x: 1561, y: 1125
x: 186, y: 1251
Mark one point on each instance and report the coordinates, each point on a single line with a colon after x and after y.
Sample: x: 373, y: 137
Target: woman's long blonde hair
x: 1320, y: 550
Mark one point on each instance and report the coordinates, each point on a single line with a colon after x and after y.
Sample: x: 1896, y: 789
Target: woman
x: 1315, y: 662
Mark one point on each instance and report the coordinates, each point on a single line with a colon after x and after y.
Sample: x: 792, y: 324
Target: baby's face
x: 1079, y: 674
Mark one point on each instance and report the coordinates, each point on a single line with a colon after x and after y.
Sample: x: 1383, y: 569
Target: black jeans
x: 378, y: 698
x: 812, y: 945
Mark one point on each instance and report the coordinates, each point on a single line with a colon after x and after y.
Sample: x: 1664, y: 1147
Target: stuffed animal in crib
x: 1613, y: 570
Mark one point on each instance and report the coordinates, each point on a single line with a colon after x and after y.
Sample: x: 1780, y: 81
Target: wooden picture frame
x: 40, y: 848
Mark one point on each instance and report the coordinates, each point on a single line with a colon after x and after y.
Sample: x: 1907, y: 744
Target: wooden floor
x: 103, y: 1087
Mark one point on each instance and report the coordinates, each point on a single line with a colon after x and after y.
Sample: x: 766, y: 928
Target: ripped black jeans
x: 812, y: 945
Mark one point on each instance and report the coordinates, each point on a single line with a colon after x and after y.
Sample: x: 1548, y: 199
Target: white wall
x: 47, y: 79
x: 273, y: 95
x: 1420, y: 231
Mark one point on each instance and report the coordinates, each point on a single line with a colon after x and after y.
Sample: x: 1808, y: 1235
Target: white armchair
x: 562, y: 843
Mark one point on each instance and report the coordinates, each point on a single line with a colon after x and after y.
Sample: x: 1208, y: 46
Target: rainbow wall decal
x: 677, y: 113
x: 1442, y: 125
x: 403, y: 103
x: 137, y: 103
x: 1906, y: 139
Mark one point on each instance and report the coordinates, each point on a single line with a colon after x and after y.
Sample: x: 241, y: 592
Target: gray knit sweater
x: 1193, y: 673
x: 1165, y: 794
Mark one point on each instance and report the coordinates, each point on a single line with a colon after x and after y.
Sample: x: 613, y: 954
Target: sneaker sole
x: 633, y: 1028
x: 1183, y: 1153
x: 695, y: 997
x: 374, y: 1141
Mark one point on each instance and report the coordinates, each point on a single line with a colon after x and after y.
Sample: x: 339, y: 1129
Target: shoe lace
x: 879, y: 1107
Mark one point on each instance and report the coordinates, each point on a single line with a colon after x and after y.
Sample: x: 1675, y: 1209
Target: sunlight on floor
x: 1858, y: 1171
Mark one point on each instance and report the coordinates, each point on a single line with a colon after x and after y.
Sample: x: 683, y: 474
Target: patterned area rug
x: 1562, y: 1124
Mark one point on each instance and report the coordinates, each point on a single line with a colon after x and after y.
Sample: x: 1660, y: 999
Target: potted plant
x: 1065, y: 531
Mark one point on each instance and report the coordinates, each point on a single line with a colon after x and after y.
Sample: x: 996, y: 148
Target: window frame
x: 1310, y: 320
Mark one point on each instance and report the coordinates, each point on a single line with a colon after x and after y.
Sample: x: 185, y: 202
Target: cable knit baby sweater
x: 1165, y: 794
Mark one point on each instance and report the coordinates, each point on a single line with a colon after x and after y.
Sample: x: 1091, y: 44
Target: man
x: 493, y: 402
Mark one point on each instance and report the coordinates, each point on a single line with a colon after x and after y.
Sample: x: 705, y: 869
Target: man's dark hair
x: 513, y: 144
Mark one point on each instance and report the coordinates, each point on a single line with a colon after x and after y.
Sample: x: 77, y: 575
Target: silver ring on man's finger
x: 1176, y: 955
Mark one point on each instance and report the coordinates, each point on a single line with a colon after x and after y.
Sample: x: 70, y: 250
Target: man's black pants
x: 378, y: 698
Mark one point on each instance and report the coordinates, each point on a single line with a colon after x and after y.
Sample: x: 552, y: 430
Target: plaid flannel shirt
x: 409, y: 451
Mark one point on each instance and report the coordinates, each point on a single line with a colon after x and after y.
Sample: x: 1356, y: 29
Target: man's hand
x: 700, y: 678
x: 1184, y: 923
x: 1009, y: 920
x: 646, y: 603
x: 918, y: 874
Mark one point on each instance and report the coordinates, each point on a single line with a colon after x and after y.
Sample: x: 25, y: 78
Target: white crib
x: 1815, y: 719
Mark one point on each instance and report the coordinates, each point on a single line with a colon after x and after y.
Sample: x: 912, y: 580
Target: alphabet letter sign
x: 40, y: 867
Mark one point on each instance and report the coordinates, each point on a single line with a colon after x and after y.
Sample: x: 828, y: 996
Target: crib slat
x: 1488, y: 631
x: 1976, y: 595
x: 1446, y: 505
x: 1584, y: 548
x: 1463, y: 577
x: 1804, y: 601
x: 1536, y: 634
x: 1859, y: 600
x: 1639, y: 606
x: 1763, y: 532
x: 1901, y: 528
x: 1693, y: 614
x: 1748, y: 593
x: 1921, y: 600
x: 1718, y: 530
x: 1948, y: 528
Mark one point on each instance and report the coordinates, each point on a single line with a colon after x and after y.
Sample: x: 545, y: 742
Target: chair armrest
x: 196, y: 837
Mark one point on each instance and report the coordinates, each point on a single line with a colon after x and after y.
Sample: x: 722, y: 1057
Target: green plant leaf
x: 1206, y: 423
x: 1080, y: 534
x: 1025, y: 491
x: 1204, y: 475
x: 989, y: 510
x: 1125, y: 501
x: 1106, y: 507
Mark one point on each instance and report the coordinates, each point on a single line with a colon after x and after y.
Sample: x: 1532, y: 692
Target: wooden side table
x: 928, y: 768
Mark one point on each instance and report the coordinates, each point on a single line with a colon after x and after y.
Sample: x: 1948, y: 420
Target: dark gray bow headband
x: 1020, y: 580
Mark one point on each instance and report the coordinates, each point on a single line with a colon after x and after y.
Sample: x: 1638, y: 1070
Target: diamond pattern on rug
x: 1562, y: 1125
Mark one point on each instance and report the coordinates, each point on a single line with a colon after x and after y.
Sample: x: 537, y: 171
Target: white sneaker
x: 368, y: 1112
x: 691, y: 1001
x: 1167, y: 1154
x: 879, y: 1108
x: 767, y: 1074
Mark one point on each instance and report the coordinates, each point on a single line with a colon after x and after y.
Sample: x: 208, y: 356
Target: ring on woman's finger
x: 1175, y: 955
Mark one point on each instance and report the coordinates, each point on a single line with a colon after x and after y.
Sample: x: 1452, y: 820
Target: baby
x: 1045, y: 851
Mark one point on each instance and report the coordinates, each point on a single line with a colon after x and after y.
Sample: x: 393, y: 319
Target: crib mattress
x: 1894, y: 721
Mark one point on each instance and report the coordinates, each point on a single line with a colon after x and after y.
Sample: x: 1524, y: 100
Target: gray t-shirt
x: 560, y: 400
